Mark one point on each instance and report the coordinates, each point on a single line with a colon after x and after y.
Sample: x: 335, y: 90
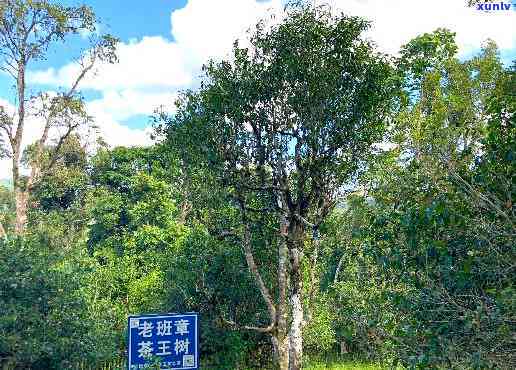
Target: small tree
x: 27, y: 29
x: 285, y: 127
x: 6, y: 209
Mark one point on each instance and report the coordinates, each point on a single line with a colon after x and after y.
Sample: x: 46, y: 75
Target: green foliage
x: 150, y: 263
x: 415, y: 264
x: 133, y: 209
x: 61, y: 190
x: 134, y: 232
x: 497, y: 166
x: 211, y: 277
x: 59, y: 216
x: 342, y: 364
x: 428, y: 250
x: 55, y: 22
x: 353, y: 286
x: 45, y: 314
x: 319, y: 333
x: 6, y: 207
x: 437, y: 248
x: 253, y: 124
x: 427, y: 52
x: 279, y: 130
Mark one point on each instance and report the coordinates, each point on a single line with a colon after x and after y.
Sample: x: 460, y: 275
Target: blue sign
x: 170, y: 340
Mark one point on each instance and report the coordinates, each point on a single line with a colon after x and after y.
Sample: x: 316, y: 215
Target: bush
x: 45, y: 321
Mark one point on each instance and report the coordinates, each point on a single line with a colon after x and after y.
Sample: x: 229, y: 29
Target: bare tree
x: 27, y: 30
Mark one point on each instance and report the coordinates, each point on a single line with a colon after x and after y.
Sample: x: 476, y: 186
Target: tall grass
x: 310, y: 364
x: 341, y: 364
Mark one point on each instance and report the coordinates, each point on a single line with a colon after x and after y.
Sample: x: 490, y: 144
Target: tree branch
x: 3, y: 234
x: 80, y: 77
x: 55, y: 154
x: 6, y: 124
x: 256, y: 274
x: 483, y: 198
x: 337, y: 270
x: 305, y: 221
x: 267, y: 329
x: 313, y: 268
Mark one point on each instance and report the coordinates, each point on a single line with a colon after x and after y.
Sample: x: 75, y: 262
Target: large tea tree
x: 285, y: 126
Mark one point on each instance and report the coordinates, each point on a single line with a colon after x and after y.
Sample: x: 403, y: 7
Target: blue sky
x: 165, y: 42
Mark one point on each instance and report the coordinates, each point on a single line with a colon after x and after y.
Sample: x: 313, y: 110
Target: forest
x: 315, y: 200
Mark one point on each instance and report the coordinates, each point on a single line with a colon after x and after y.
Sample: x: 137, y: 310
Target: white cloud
x: 154, y: 68
x: 151, y: 70
x: 5, y: 169
x: 207, y: 29
x: 201, y: 30
x: 396, y: 22
x: 152, y: 62
x: 121, y: 105
x: 116, y: 134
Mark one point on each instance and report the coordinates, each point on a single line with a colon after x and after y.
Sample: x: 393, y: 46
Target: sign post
x: 169, y: 341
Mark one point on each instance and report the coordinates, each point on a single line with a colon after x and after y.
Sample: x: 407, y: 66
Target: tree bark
x: 282, y: 338
x: 3, y: 234
x: 256, y: 274
x: 337, y: 270
x: 281, y: 351
x: 20, y: 196
x: 296, y: 302
x: 21, y: 199
x: 19, y: 192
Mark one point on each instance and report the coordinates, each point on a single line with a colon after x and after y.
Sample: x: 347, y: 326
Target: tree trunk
x: 282, y: 339
x: 21, y: 198
x: 281, y: 351
x: 3, y: 234
x: 20, y: 195
x: 296, y: 302
x: 296, y: 334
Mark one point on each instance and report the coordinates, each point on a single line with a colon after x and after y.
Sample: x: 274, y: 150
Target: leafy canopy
x: 291, y: 116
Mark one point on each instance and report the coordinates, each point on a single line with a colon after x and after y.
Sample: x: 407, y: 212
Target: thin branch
x: 8, y: 63
x: 267, y: 329
x: 305, y: 221
x: 337, y: 270
x: 259, y: 210
x: 79, y: 78
x: 3, y: 234
x: 224, y: 234
x: 312, y: 282
x: 256, y: 273
x: 6, y: 124
x: 482, y: 197
x: 261, y: 188
x: 44, y: 136
x: 57, y: 148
